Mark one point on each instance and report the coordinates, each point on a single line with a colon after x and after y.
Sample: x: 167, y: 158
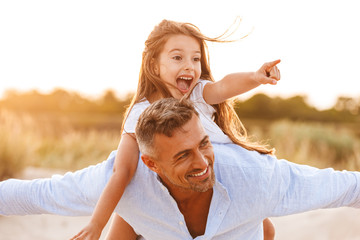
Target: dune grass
x: 75, y: 149
x: 16, y: 136
x: 34, y: 141
x: 317, y: 144
x: 39, y: 141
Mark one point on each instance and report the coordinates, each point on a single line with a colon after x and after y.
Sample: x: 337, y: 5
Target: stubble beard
x: 201, y: 186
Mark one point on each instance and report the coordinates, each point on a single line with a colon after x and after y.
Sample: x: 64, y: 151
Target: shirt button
x: 181, y: 223
x: 163, y: 188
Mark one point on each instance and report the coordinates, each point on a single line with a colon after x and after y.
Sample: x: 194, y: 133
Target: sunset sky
x: 90, y: 46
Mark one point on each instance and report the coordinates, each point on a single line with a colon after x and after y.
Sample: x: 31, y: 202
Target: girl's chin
x: 183, y: 92
x: 178, y: 93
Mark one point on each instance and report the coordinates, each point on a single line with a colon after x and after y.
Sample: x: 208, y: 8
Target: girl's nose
x: 189, y: 65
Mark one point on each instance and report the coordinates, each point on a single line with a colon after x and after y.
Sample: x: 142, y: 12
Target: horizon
x: 124, y: 96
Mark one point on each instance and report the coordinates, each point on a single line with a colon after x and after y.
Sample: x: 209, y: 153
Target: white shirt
x: 205, y: 111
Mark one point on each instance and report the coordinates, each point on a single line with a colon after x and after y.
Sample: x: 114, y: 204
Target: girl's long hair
x: 149, y: 82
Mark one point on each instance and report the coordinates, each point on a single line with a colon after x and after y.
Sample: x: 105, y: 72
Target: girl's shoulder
x: 197, y: 92
x: 201, y: 83
x: 142, y: 104
x: 134, y: 114
x: 138, y: 108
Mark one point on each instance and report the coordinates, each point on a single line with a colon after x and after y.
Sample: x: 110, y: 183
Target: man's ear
x: 150, y: 163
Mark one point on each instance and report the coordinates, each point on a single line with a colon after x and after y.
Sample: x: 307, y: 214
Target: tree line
x: 259, y: 106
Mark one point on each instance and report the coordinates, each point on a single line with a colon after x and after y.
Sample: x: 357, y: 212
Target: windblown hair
x: 164, y: 116
x: 149, y: 82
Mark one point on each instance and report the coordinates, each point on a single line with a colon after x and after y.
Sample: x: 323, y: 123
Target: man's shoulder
x: 243, y: 173
x: 237, y: 156
x: 233, y: 162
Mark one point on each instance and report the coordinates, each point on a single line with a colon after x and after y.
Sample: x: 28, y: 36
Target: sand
x: 329, y: 224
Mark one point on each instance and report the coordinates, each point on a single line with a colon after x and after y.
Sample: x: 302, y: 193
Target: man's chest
x: 196, y: 218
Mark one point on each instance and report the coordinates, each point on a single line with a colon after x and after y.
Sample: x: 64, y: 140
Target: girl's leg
x: 269, y: 230
x: 120, y: 230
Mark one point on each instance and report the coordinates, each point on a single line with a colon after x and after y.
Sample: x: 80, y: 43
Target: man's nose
x: 199, y: 160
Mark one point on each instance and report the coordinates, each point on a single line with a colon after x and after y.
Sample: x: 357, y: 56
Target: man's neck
x: 195, y: 208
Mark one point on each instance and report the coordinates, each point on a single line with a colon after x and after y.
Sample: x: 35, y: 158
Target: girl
x: 175, y: 64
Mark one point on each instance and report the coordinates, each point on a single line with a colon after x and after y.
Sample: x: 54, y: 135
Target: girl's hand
x: 90, y: 232
x: 268, y: 73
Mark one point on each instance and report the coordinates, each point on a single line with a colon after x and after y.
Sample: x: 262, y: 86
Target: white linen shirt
x: 205, y: 111
x: 249, y: 187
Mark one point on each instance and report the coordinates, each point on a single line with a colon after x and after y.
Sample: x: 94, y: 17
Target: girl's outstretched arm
x: 237, y: 83
x: 124, y: 169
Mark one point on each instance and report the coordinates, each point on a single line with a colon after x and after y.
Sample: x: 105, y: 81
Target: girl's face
x: 179, y: 65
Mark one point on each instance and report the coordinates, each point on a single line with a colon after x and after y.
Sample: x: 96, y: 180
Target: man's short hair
x: 162, y: 117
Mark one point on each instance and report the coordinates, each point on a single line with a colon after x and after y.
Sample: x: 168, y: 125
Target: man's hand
x: 268, y: 73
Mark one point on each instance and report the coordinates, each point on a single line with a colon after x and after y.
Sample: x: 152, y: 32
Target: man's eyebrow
x: 206, y: 138
x: 180, y: 153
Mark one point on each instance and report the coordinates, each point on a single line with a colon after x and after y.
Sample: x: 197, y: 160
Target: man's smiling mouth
x: 200, y: 173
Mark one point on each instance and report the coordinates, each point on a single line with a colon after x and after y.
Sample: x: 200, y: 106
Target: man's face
x: 185, y: 161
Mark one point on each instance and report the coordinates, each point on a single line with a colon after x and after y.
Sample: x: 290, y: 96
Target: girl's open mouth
x: 184, y: 83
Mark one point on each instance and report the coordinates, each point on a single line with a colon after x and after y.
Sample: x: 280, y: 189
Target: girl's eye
x: 197, y: 59
x: 177, y: 58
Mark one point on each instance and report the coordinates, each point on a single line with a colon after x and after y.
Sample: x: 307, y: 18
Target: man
x: 183, y: 190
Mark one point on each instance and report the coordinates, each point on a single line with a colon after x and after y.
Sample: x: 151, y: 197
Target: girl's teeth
x: 185, y: 78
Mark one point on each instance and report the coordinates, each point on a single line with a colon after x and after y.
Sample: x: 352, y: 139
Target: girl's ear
x: 150, y: 163
x: 155, y: 66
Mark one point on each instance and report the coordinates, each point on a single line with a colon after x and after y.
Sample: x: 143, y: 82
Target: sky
x: 92, y: 46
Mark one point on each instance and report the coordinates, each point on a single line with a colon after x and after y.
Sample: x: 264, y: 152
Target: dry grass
x: 39, y: 141
x: 320, y: 145
x: 16, y: 135
x: 76, y: 149
x: 27, y: 140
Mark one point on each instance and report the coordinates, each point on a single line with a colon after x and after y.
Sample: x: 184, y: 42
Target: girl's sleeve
x: 196, y: 95
x: 197, y: 98
x: 132, y: 118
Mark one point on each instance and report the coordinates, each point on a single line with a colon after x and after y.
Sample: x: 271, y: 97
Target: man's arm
x: 73, y: 194
x: 296, y: 188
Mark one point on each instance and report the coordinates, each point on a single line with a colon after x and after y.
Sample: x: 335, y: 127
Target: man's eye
x: 183, y: 156
x: 204, y: 143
